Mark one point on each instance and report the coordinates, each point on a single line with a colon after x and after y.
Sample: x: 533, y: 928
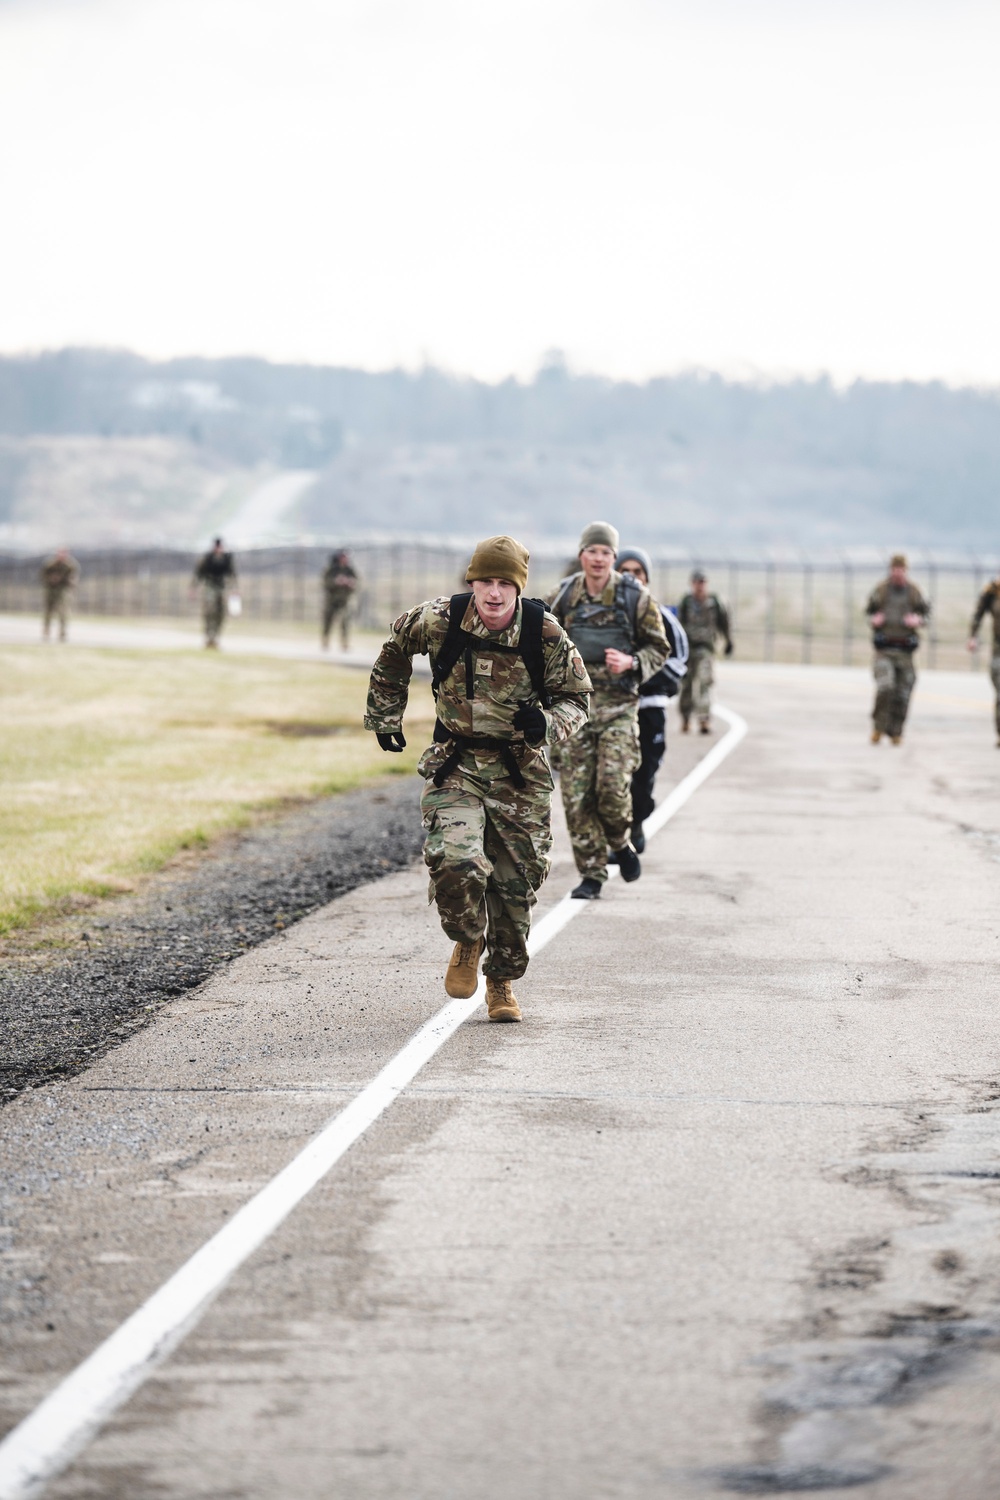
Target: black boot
x: 638, y: 839
x: 589, y: 889
x: 628, y: 863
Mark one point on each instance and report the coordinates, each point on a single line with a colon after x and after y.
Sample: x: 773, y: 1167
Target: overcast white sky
x: 780, y: 185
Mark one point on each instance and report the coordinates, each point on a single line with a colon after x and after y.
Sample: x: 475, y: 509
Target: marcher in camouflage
x: 487, y: 802
x: 705, y: 619
x: 216, y: 573
x: 896, y: 610
x: 989, y: 604
x: 340, y: 586
x: 58, y: 576
x: 617, y: 628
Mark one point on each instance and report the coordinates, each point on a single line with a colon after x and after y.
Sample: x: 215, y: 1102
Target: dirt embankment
x: 91, y: 979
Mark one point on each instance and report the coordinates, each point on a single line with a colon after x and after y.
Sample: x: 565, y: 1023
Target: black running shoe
x: 588, y: 889
x: 628, y: 863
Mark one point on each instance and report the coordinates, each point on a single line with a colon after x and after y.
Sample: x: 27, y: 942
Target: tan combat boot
x: 876, y: 736
x: 897, y: 739
x: 462, y: 978
x: 501, y: 1001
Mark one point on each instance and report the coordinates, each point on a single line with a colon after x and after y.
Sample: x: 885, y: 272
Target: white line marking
x: 66, y: 1421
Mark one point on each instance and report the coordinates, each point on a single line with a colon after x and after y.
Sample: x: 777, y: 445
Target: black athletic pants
x: 652, y: 744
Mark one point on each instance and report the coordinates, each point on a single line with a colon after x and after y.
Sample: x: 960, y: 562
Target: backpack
x: 459, y: 642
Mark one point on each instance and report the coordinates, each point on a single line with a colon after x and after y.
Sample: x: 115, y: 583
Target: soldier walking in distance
x: 216, y: 573
x: 617, y: 628
x: 705, y: 619
x: 506, y: 680
x: 989, y: 604
x: 58, y: 576
x: 654, y: 695
x: 340, y: 584
x: 896, y: 610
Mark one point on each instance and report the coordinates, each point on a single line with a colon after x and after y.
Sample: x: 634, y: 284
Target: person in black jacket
x: 654, y: 694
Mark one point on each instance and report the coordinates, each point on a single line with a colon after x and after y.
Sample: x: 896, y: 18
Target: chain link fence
x: 783, y: 611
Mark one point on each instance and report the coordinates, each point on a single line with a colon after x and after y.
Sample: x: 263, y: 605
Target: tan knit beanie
x: 599, y: 534
x: 499, y: 557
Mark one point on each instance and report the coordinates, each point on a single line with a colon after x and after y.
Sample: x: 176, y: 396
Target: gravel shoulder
x: 77, y: 987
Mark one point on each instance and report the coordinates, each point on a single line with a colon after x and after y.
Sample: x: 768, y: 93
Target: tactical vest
x: 597, y: 627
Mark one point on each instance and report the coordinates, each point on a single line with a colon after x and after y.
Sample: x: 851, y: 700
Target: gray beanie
x: 635, y: 554
x: 599, y: 534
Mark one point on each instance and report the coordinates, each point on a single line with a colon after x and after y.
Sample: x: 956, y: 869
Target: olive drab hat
x: 898, y: 560
x: 598, y: 534
x: 499, y: 557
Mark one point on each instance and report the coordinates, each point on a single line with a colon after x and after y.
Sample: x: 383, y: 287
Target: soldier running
x: 654, y: 695
x: 705, y: 619
x: 340, y: 583
x: 58, y: 576
x: 617, y: 628
x: 216, y: 573
x: 896, y: 610
x: 507, y: 679
x: 989, y: 604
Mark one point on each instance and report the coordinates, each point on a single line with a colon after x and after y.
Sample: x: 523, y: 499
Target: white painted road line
x: 64, y: 1423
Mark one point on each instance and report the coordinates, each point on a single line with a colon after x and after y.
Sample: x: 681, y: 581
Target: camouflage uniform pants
x: 488, y: 850
x: 696, y: 686
x: 337, y: 611
x: 213, y: 612
x: 56, y: 608
x: 596, y: 780
x: 895, y: 675
x: 995, y: 677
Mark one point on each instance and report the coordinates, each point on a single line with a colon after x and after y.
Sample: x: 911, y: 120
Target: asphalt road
x: 721, y: 1216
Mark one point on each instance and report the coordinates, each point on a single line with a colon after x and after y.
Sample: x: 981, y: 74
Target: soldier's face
x: 496, y: 600
x: 636, y: 569
x: 699, y: 588
x: 596, y: 562
x: 898, y: 576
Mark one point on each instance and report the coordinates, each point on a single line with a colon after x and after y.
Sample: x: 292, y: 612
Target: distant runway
x: 720, y: 1216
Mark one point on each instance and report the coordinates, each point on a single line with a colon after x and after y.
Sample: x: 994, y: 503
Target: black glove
x: 729, y: 649
x: 392, y: 742
x: 532, y: 723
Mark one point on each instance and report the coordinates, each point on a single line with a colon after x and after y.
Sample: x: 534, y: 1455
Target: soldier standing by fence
x: 989, y: 604
x: 340, y: 584
x: 705, y: 619
x: 896, y: 610
x: 506, y: 679
x: 616, y: 626
x: 58, y: 576
x: 216, y: 573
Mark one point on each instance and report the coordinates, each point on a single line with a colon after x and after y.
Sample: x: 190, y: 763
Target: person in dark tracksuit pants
x: 654, y: 695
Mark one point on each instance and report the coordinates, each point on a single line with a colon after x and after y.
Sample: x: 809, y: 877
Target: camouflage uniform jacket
x: 895, y: 601
x: 500, y: 685
x: 216, y: 570
x: 989, y: 604
x: 618, y: 693
x: 704, y: 620
x: 59, y: 573
x: 339, y: 582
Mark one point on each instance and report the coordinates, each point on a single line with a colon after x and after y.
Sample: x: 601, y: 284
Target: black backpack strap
x: 453, y: 644
x: 531, y: 648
